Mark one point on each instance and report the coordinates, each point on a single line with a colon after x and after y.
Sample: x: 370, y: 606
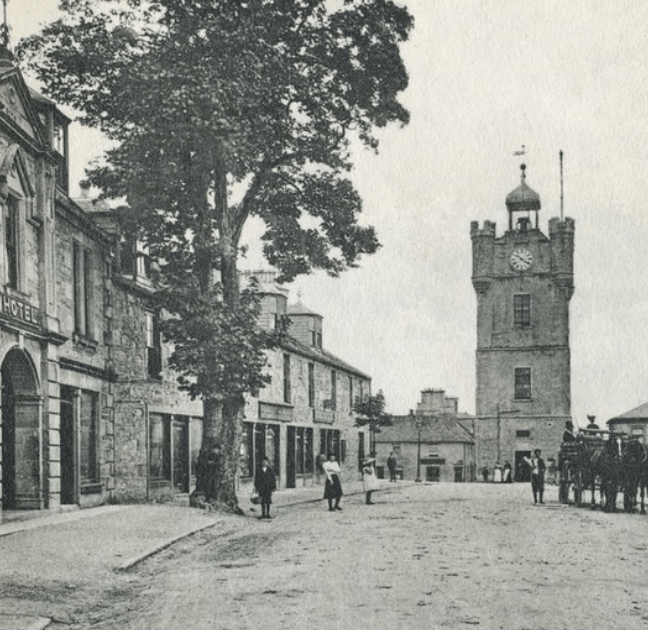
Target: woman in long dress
x: 497, y: 473
x: 369, y: 479
x: 333, y: 487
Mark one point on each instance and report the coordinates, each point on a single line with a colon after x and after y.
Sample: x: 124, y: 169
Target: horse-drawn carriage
x: 609, y: 462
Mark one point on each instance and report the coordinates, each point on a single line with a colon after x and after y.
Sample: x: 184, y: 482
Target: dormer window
x: 135, y: 259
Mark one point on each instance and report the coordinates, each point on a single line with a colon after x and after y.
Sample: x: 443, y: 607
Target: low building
x: 633, y: 423
x: 433, y: 444
x: 307, y: 408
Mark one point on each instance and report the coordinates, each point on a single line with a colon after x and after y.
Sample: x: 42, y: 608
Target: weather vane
x: 521, y: 152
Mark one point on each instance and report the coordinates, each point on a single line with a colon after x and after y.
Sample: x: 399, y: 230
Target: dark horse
x: 604, y: 463
x: 634, y: 471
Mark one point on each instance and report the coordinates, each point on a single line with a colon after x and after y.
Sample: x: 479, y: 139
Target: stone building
x: 89, y: 410
x: 524, y: 281
x: 443, y: 434
x: 307, y: 408
x: 56, y: 416
x: 633, y: 423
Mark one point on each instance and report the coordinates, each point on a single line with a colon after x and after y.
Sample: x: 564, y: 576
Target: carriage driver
x: 568, y: 433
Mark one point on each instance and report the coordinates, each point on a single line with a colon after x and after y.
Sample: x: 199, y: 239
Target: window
x: 522, y: 383
x: 153, y: 346
x: 319, y: 340
x: 333, y: 389
x: 311, y: 385
x: 286, y: 378
x: 88, y: 437
x: 303, y: 450
x: 11, y: 241
x: 350, y: 394
x: 135, y: 259
x: 522, y: 309
x: 330, y: 442
x: 313, y: 339
x: 523, y: 433
x: 159, y: 447
x: 81, y: 272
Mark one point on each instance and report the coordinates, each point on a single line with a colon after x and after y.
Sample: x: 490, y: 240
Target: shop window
x: 330, y: 442
x: 246, y: 461
x: 82, y: 279
x: 522, y: 383
x: 88, y: 438
x: 432, y: 473
x: 159, y: 448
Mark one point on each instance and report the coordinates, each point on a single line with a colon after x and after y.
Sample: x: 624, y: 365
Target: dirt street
x: 422, y: 557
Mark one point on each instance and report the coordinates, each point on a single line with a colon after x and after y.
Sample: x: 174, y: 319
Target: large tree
x: 220, y: 111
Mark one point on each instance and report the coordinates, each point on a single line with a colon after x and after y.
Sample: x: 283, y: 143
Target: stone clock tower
x: 524, y: 281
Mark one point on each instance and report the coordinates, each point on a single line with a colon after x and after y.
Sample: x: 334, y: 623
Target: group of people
x: 265, y: 482
x: 501, y: 474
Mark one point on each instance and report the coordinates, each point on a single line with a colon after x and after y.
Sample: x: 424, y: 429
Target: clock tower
x: 524, y: 281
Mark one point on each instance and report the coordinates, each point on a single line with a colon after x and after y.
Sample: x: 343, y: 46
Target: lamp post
x: 418, y: 423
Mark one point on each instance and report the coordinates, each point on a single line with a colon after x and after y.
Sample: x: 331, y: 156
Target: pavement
x: 70, y: 547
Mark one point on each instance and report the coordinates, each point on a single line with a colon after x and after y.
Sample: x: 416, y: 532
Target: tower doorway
x: 22, y: 448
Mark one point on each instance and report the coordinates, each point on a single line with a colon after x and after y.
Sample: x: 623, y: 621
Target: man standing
x: 391, y: 464
x: 538, y: 468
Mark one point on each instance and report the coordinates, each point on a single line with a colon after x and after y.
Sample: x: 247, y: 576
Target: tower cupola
x: 523, y: 201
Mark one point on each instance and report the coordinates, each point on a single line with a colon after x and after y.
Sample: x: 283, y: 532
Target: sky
x: 487, y: 77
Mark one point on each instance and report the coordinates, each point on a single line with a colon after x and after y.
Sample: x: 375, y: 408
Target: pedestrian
x: 507, y: 476
x: 265, y: 484
x: 538, y: 468
x: 391, y: 464
x: 369, y: 479
x: 497, y: 473
x: 485, y: 473
x: 332, y: 487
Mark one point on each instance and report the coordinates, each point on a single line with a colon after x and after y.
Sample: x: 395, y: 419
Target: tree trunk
x: 218, y: 461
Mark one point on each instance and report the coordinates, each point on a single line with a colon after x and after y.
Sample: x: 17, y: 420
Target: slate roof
x: 435, y: 430
x: 638, y: 413
x: 320, y: 355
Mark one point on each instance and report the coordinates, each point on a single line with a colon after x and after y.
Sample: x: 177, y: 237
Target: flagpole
x: 562, y: 202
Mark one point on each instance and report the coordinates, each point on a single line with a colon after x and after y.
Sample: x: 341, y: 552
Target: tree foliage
x: 371, y: 413
x: 219, y: 111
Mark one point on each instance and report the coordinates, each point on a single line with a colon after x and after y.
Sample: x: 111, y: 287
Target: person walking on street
x: 369, y: 479
x: 265, y: 484
x: 391, y: 464
x: 538, y: 468
x: 507, y: 473
x: 332, y: 487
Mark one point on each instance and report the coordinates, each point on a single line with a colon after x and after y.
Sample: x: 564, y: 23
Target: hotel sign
x: 16, y: 309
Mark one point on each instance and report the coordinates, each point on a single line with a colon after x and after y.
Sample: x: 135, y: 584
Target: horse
x: 634, y: 470
x: 603, y: 461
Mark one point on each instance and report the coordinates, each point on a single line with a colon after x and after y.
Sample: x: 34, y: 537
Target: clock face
x: 521, y: 259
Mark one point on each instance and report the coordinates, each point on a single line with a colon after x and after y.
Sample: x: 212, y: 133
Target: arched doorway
x: 22, y: 444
